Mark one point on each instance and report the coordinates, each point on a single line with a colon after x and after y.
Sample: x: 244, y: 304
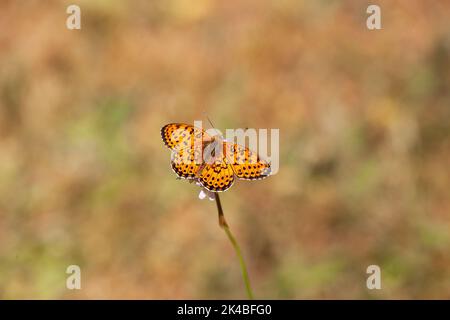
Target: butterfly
x: 209, y: 160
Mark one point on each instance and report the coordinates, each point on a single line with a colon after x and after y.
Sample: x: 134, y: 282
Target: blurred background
x: 364, y: 119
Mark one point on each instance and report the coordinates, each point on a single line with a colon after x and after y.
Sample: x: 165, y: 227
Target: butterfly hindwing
x: 217, y: 176
x: 183, y: 163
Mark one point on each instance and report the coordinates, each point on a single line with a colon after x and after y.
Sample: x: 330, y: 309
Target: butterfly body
x: 210, y: 160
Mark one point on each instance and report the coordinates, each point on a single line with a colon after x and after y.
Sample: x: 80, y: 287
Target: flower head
x: 205, y: 193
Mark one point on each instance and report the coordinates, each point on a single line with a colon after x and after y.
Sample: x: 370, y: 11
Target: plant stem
x: 224, y: 225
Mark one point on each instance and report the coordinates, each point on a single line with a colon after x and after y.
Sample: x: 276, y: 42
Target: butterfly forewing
x: 178, y: 136
x: 246, y: 164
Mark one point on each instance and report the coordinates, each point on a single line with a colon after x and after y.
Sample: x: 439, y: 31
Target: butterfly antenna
x: 212, y: 125
x: 210, y: 122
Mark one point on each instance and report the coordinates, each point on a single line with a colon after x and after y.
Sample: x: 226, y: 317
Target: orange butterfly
x: 217, y: 172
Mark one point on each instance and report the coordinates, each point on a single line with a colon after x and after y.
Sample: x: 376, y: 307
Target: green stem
x: 224, y: 225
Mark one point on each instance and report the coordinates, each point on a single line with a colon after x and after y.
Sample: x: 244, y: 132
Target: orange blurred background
x: 364, y: 119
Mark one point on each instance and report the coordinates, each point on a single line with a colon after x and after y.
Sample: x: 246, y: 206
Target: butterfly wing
x: 178, y: 136
x: 217, y: 176
x: 246, y: 164
x: 186, y: 154
x: 183, y: 163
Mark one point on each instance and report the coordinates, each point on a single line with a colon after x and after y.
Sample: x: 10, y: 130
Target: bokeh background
x: 364, y: 119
